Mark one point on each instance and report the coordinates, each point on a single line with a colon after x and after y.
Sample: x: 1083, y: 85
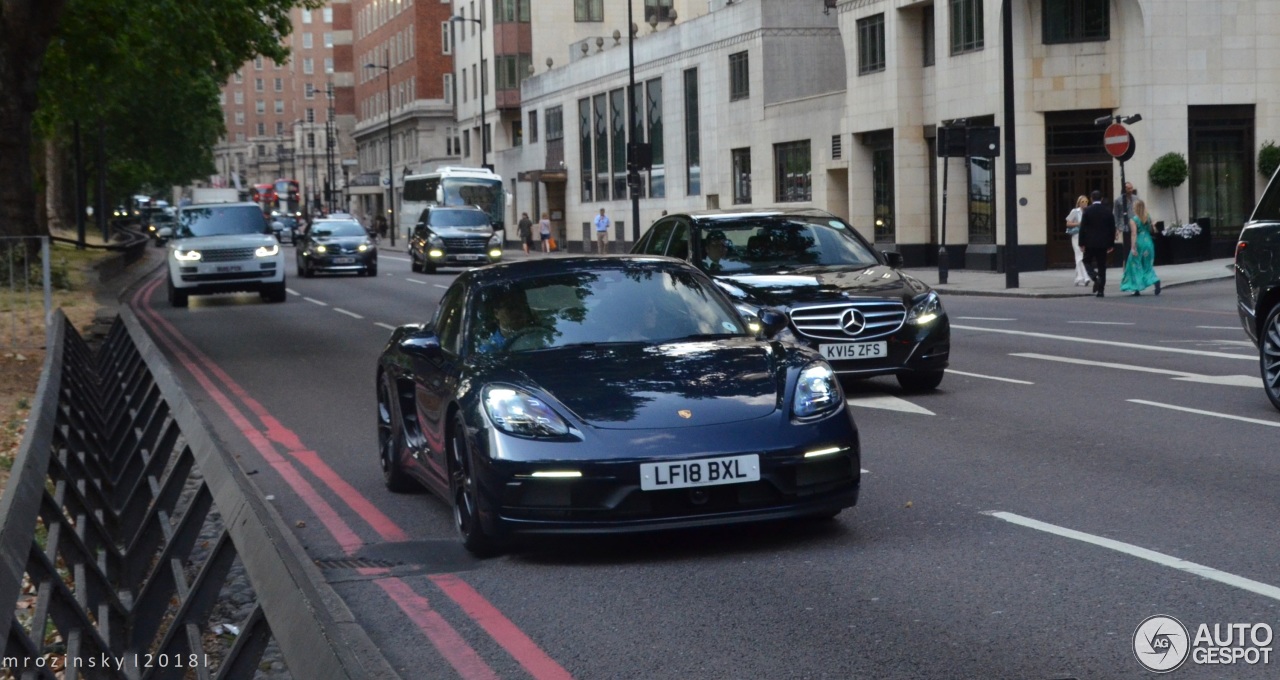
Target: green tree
x: 1169, y: 172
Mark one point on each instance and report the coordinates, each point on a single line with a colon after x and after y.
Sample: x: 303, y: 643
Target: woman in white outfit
x: 1073, y: 228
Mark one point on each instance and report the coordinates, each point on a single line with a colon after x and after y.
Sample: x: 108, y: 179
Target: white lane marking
x: 1184, y: 409
x: 1220, y: 328
x: 292, y: 291
x: 989, y: 377
x: 984, y: 318
x: 866, y: 472
x: 1105, y: 323
x: 1228, y: 380
x: 350, y: 314
x: 316, y: 302
x: 440, y: 286
x: 1112, y: 343
x: 888, y: 403
x: 420, y: 282
x: 1264, y: 589
x: 384, y: 325
x: 397, y: 259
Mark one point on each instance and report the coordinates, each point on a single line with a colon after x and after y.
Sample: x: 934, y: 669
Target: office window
x: 741, y: 161
x: 279, y: 128
x: 310, y: 116
x: 310, y: 92
x: 512, y: 70
x: 692, y: 143
x: 448, y: 88
x: 257, y: 85
x: 658, y: 10
x: 484, y: 77
x: 517, y: 133
x: 882, y: 188
x: 328, y: 40
x: 306, y: 16
x: 1068, y: 21
x: 222, y: 98
x: 239, y: 117
x: 966, y: 26
x: 928, y: 37
x: 584, y: 145
x: 279, y: 106
x: 328, y: 64
x: 554, y: 119
x: 871, y: 44
x: 793, y: 169
x: 618, y: 148
x: 511, y: 11
x: 408, y: 42
x: 653, y: 109
x: 327, y: 13
x: 262, y: 130
x: 239, y: 77
x: 239, y: 97
x: 307, y: 42
x: 308, y: 66
x: 739, y: 77
x: 533, y: 127
x: 279, y: 84
x: 446, y: 42
x: 466, y: 143
x: 257, y: 64
x: 588, y: 10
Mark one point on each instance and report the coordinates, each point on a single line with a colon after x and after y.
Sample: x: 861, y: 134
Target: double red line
x: 270, y: 434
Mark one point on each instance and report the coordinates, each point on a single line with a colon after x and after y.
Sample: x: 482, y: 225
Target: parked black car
x: 597, y: 395
x: 837, y: 293
x: 457, y: 236
x: 336, y: 245
x: 1258, y: 286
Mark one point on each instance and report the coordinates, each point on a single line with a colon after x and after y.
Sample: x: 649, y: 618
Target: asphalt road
x: 1087, y: 464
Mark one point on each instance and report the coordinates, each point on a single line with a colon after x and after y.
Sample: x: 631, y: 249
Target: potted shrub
x: 1268, y: 159
x: 1169, y: 172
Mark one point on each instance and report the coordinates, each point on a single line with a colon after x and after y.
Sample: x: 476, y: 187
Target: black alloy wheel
x: 177, y: 298
x: 413, y: 263
x: 920, y: 382
x: 465, y: 494
x: 391, y: 440
x: 1269, y: 355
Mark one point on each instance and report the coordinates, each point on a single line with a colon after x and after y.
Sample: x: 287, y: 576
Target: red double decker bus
x: 264, y: 195
x: 288, y: 197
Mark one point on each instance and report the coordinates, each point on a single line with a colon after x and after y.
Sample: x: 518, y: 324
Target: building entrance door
x: 1076, y: 164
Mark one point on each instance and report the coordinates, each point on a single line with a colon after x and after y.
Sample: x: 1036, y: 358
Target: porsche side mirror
x: 424, y: 344
x: 893, y: 258
x: 772, y: 322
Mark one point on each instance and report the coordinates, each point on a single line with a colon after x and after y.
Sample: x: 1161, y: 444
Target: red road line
x: 500, y: 628
x: 455, y: 650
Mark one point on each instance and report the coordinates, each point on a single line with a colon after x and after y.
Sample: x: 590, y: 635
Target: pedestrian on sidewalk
x: 1122, y: 211
x: 525, y: 231
x: 544, y: 228
x: 1097, y: 237
x: 1073, y: 228
x: 1139, y: 272
x: 602, y: 233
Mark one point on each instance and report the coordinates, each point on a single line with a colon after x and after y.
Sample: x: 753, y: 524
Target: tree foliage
x: 1268, y: 158
x: 1168, y: 171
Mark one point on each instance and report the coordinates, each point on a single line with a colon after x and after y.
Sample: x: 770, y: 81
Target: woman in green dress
x: 1139, y: 272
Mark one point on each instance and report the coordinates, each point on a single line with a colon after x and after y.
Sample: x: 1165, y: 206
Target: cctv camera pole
x: 943, y: 261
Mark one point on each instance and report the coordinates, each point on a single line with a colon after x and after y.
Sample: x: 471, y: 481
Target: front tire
x: 414, y: 265
x: 177, y: 298
x: 274, y: 292
x: 464, y: 490
x: 391, y: 444
x: 920, y: 382
x: 1269, y: 355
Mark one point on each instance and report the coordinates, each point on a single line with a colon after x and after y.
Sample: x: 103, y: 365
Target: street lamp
x: 391, y: 173
x: 484, y: 148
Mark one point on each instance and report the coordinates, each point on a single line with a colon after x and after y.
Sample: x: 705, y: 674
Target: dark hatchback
x: 833, y: 291
x: 336, y: 246
x: 603, y: 395
x: 1257, y: 269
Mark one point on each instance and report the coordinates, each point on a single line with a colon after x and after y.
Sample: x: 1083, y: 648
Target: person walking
x: 1073, y: 228
x: 602, y: 233
x: 1139, y: 272
x: 524, y: 229
x: 1121, y: 212
x: 544, y: 229
x: 1097, y: 237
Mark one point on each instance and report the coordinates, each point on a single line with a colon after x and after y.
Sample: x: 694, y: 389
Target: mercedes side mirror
x: 893, y: 258
x: 772, y: 322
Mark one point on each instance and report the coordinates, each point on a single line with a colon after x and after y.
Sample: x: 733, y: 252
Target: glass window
x: 279, y: 106
x: 600, y: 128
x: 653, y: 107
x: 692, y: 143
x: 658, y: 10
x: 279, y: 85
x: 982, y: 205
x: 757, y: 244
x: 1068, y: 21
x: 793, y: 174
x: 239, y: 97
x: 588, y: 10
x: 927, y: 37
x: 555, y: 123
x: 966, y: 26
x: 871, y: 44
x: 618, y: 147
x: 260, y: 106
x: 306, y: 16
x: 741, y: 176
x: 448, y: 88
x: 446, y: 45
x: 656, y: 241
x: 307, y: 41
x: 327, y: 14
x: 257, y: 63
x: 448, y: 319
x: 308, y: 66
x: 739, y: 77
x: 882, y: 192
x: 533, y: 127
x: 584, y: 146
x: 328, y: 40
x: 257, y: 85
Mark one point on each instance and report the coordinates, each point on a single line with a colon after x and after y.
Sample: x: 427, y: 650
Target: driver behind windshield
x: 508, y: 314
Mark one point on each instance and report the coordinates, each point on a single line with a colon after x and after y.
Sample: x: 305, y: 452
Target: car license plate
x: 226, y: 268
x: 705, y: 472
x: 343, y: 260
x: 855, y: 350
x: 470, y: 257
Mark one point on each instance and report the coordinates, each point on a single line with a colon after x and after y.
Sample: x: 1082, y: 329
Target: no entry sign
x: 1116, y: 140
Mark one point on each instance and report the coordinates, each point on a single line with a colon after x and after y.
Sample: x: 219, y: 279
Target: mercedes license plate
x: 467, y: 257
x: 705, y: 472
x: 855, y: 350
x: 343, y: 260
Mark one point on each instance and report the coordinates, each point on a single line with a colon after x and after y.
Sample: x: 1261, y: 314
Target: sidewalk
x: 1051, y: 283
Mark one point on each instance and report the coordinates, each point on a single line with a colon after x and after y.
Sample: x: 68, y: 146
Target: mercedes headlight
x: 495, y: 241
x: 926, y: 310
x: 817, y: 391
x: 362, y: 247
x: 518, y: 412
x: 320, y: 249
x: 186, y: 255
x: 267, y: 251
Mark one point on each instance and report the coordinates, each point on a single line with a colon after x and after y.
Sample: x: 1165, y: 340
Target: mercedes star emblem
x: 852, y: 322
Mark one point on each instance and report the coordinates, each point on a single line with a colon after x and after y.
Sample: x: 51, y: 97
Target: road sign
x: 1116, y: 140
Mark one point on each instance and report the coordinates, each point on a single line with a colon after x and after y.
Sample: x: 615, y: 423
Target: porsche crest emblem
x: 685, y: 413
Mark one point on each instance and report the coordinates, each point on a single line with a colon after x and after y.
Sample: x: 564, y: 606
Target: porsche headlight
x: 518, y: 412
x: 817, y: 391
x: 267, y: 251
x: 925, y: 311
x: 186, y: 255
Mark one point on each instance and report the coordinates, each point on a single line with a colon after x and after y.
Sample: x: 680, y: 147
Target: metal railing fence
x: 26, y: 291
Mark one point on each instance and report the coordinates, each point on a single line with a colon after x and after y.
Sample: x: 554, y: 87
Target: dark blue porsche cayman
x: 600, y: 395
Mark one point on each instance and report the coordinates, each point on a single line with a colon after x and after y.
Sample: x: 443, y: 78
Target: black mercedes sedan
x: 835, y: 292
x: 603, y: 395
x: 336, y: 245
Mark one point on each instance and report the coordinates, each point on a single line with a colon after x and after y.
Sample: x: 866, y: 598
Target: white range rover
x: 224, y: 248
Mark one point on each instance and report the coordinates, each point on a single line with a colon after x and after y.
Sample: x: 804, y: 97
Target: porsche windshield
x: 624, y: 305
x: 758, y: 244
x: 221, y: 221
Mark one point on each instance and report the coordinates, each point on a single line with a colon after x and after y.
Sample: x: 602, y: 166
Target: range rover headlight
x: 817, y: 391
x: 267, y: 251
x: 518, y: 412
x: 925, y: 311
x: 186, y: 255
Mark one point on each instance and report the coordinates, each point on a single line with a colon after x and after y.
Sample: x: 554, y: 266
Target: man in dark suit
x: 1097, y: 238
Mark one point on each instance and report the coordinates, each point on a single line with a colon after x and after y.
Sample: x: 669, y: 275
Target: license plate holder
x: 854, y: 350
x: 227, y: 268
x: 684, y: 474
x: 343, y: 260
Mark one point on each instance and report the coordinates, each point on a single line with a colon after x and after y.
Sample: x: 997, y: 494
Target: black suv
x: 453, y: 236
x: 809, y: 277
x: 1258, y: 285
